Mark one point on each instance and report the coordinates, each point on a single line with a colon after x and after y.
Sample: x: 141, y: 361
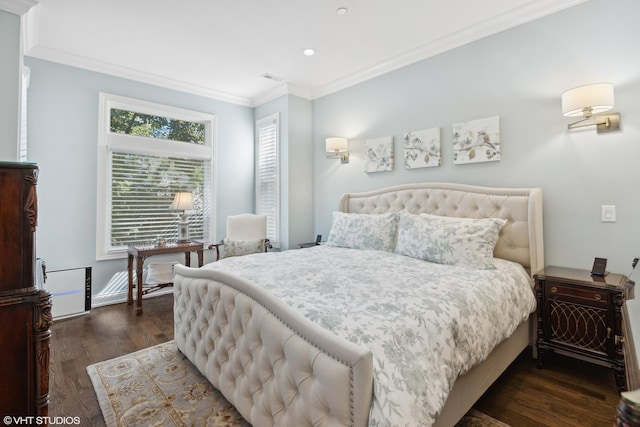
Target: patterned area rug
x: 159, y: 386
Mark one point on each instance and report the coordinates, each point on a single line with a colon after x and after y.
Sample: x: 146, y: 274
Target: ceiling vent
x: 272, y: 77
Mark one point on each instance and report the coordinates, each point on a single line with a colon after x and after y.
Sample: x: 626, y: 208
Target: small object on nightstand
x: 580, y: 315
x: 599, y: 267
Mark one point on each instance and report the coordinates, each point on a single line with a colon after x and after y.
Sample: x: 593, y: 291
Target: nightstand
x: 308, y: 245
x: 579, y: 315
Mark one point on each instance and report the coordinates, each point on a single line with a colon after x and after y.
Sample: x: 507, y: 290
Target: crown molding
x: 530, y: 12
x: 18, y: 7
x: 281, y: 90
x: 54, y: 55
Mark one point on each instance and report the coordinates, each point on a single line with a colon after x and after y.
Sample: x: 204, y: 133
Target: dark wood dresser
x: 25, y: 311
x: 580, y: 315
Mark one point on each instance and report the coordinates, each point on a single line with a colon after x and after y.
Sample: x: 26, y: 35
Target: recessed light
x: 309, y: 52
x: 342, y: 11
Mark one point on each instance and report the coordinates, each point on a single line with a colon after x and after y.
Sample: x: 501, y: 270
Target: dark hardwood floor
x: 566, y: 392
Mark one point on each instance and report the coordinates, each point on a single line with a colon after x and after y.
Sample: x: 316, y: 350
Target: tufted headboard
x: 520, y: 239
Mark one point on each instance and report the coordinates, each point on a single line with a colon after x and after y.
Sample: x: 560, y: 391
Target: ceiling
x: 222, y: 49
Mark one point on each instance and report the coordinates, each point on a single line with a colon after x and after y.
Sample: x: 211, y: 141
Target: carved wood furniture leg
x: 540, y: 361
x: 139, y: 270
x: 618, y: 340
x: 130, y: 270
x: 187, y: 259
x: 540, y: 325
x: 42, y: 335
x: 200, y: 257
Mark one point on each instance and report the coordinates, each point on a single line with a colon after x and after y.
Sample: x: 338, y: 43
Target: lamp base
x: 183, y: 229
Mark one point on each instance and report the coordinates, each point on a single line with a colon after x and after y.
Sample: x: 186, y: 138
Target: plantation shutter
x: 267, y: 185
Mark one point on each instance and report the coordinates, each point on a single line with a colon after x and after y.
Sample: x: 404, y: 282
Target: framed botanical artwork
x: 378, y: 154
x: 422, y: 148
x: 476, y: 141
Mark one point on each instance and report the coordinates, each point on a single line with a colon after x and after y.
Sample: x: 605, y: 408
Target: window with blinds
x: 143, y: 187
x: 147, y: 153
x: 267, y: 175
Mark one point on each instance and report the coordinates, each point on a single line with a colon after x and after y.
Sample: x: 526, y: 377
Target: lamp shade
x: 336, y: 144
x: 183, y: 201
x: 592, y: 99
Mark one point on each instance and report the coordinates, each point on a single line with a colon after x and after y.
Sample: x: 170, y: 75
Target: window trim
x: 261, y: 123
x: 108, y: 141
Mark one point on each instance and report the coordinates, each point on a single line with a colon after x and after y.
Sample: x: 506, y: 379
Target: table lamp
x: 183, y: 201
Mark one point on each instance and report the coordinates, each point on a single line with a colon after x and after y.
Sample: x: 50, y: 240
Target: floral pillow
x: 445, y: 240
x: 242, y: 247
x: 364, y: 231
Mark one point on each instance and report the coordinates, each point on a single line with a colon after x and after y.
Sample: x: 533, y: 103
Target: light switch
x: 608, y: 213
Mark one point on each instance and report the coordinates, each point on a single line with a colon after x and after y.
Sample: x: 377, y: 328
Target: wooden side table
x: 141, y: 252
x: 580, y: 315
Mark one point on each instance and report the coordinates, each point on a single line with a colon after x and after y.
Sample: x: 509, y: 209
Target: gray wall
x: 519, y: 75
x: 296, y: 176
x: 10, y: 68
x: 63, y: 132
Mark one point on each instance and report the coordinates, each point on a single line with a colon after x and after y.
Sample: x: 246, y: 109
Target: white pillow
x: 364, y: 231
x: 446, y: 240
x: 242, y: 247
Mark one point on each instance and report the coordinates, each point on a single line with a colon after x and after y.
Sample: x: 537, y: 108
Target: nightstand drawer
x: 583, y: 295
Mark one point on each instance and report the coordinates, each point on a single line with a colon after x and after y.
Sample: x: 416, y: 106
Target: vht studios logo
x: 8, y: 420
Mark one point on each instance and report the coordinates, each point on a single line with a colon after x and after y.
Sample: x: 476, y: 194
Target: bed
x: 294, y: 338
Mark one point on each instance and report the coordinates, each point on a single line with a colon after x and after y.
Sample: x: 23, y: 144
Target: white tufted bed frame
x: 280, y: 369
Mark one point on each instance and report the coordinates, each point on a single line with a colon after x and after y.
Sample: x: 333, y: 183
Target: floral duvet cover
x: 425, y: 323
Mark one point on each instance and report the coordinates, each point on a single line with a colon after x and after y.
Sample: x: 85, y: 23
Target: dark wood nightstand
x: 579, y: 315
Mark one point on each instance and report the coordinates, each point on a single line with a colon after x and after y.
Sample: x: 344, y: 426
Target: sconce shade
x: 183, y: 201
x: 336, y: 145
x: 585, y: 101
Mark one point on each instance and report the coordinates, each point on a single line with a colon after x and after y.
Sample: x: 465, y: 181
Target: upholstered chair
x: 246, y: 234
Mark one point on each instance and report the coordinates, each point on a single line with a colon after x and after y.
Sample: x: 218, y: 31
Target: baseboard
x: 119, y: 298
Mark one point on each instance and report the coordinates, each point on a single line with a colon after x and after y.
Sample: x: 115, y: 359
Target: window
x: 26, y: 76
x: 267, y: 175
x: 146, y: 153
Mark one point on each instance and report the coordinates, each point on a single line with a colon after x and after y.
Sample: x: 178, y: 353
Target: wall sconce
x: 183, y: 202
x: 337, y: 148
x: 585, y: 101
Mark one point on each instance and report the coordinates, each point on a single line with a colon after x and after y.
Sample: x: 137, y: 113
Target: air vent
x: 272, y: 77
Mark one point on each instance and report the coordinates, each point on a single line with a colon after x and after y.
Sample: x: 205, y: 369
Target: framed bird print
x: 477, y: 141
x: 422, y: 148
x: 378, y: 154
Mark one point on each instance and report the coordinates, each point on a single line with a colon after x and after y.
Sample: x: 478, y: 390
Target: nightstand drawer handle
x: 619, y: 340
x: 554, y: 289
x: 609, y: 334
x: 598, y: 297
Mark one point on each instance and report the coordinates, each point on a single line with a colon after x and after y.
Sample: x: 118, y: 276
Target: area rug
x: 159, y: 386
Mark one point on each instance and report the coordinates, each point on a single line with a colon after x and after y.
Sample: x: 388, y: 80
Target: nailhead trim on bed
x: 260, y: 399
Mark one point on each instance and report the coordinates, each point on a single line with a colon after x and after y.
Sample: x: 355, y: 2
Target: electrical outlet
x: 608, y: 213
